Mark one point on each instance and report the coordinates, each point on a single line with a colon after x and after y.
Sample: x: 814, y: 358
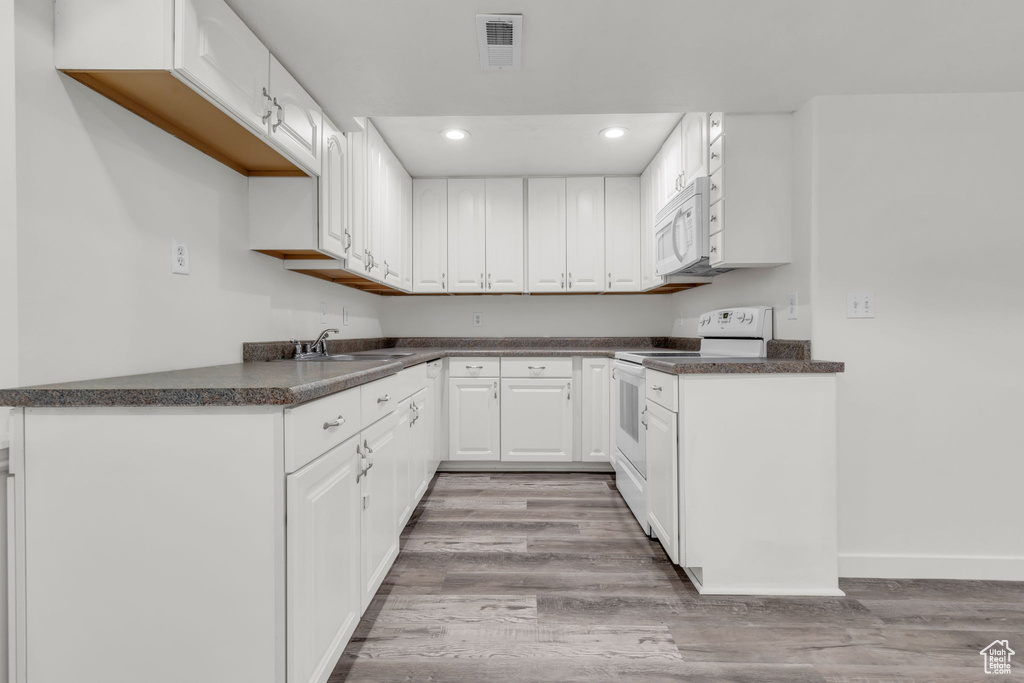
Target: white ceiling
x: 402, y: 58
x: 525, y: 145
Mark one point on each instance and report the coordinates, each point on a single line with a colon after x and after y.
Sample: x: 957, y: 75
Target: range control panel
x: 746, y: 322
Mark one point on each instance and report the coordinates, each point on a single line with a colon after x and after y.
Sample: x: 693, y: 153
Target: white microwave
x: 682, y: 233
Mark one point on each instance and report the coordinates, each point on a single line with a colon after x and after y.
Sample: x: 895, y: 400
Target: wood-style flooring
x: 547, y: 577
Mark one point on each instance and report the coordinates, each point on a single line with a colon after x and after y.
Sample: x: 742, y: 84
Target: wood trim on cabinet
x: 168, y: 103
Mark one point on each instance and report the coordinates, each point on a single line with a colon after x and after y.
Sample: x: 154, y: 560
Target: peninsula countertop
x: 287, y: 382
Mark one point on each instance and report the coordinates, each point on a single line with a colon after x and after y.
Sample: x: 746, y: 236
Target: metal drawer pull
x: 383, y: 399
x: 536, y: 367
x: 336, y: 423
x: 655, y: 387
x: 474, y: 367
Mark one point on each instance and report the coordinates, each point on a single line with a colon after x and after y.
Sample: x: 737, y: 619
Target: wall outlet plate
x: 860, y: 305
x: 344, y: 315
x: 180, y: 262
x: 478, y: 320
x: 791, y: 306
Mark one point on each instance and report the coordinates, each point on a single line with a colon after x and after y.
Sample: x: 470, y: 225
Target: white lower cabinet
x: 381, y: 451
x: 474, y: 418
x: 405, y: 469
x: 662, y: 477
x: 323, y: 598
x: 596, y: 432
x: 536, y: 420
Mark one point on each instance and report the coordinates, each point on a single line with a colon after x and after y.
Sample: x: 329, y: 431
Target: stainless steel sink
x: 338, y: 357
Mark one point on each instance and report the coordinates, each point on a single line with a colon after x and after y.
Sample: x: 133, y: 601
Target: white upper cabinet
x: 622, y: 234
x: 217, y: 52
x: 504, y: 230
x: 359, y: 251
x: 546, y: 234
x: 584, y: 220
x: 296, y: 120
x: 335, y: 237
x: 395, y: 188
x: 430, y: 235
x: 694, y: 128
x: 406, y: 198
x: 467, y: 247
x: 649, y: 279
x: 376, y: 201
x: 671, y: 166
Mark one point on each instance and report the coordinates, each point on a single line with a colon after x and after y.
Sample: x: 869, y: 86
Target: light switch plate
x: 180, y: 262
x: 323, y: 313
x: 860, y: 305
x: 791, y: 306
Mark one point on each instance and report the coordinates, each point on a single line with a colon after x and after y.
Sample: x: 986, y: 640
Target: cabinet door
x: 649, y: 279
x: 467, y: 249
x: 536, y: 420
x: 662, y: 477
x: 357, y: 184
x: 380, y: 450
x: 296, y: 123
x: 505, y: 247
x: 596, y: 409
x: 422, y: 430
x: 429, y: 235
x: 473, y: 419
x: 695, y: 146
x: 323, y: 585
x: 585, y: 271
x: 622, y: 233
x: 406, y: 196
x: 334, y: 236
x: 546, y: 234
x: 393, y: 219
x: 216, y: 51
x: 405, y: 485
x: 376, y: 201
x: 672, y: 166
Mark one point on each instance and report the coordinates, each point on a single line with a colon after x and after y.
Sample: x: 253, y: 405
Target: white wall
x: 767, y: 286
x: 101, y: 193
x: 529, y: 316
x: 8, y: 290
x: 919, y: 200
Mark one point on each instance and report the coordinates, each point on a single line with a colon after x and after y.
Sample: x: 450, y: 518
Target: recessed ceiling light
x: 455, y: 134
x: 612, y: 133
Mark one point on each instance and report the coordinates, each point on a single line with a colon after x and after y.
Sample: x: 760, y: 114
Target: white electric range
x: 741, y: 332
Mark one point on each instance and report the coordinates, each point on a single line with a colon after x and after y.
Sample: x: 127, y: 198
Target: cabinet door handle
x: 269, y: 105
x: 609, y: 280
x: 570, y: 280
x: 643, y: 418
x: 495, y: 390
x: 363, y: 472
x: 714, y: 249
x: 444, y: 287
x: 714, y: 155
x: 714, y: 187
x: 336, y: 423
x: 655, y: 387
x: 481, y: 280
x: 568, y: 391
x: 713, y: 218
x: 488, y: 280
x: 280, y: 117
x: 348, y: 240
x: 366, y: 446
x: 383, y: 399
x: 613, y: 373
x: 563, y: 280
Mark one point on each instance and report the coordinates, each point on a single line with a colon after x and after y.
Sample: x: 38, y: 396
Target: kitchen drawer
x: 663, y: 389
x: 715, y: 218
x: 541, y: 366
x: 383, y: 396
x: 313, y: 428
x: 715, y: 155
x: 717, y: 186
x: 468, y: 366
x: 715, y: 253
x: 716, y: 126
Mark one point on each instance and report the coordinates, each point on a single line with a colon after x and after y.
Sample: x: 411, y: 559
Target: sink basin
x: 380, y: 357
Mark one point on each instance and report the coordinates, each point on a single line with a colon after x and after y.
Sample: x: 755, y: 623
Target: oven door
x: 630, y: 437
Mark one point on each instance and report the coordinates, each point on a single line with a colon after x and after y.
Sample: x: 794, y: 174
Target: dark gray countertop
x: 290, y: 382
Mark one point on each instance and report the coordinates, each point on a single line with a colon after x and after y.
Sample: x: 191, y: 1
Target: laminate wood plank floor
x: 548, y: 577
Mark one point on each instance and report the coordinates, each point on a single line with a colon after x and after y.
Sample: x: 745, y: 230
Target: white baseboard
x: 488, y: 466
x: 976, y: 567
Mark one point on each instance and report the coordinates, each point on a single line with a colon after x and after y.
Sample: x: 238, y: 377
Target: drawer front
x: 715, y: 155
x: 715, y: 218
x: 663, y: 389
x: 468, y: 366
x: 313, y: 428
x: 715, y: 253
x: 545, y: 366
x: 717, y: 125
x: 717, y: 187
x: 383, y: 396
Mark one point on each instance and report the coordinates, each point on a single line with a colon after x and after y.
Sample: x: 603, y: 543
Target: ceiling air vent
x: 500, y: 37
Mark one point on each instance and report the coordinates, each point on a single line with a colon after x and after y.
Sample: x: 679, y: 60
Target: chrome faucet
x: 320, y: 345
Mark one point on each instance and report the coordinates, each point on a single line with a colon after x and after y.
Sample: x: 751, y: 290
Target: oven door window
x: 629, y: 413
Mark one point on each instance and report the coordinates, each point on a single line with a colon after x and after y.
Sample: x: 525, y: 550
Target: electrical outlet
x: 860, y: 305
x: 344, y: 316
x: 323, y: 313
x: 180, y: 262
x: 791, y: 309
x: 478, y: 320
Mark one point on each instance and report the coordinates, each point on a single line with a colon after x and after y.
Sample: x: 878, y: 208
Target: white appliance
x: 683, y: 233
x: 741, y: 332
